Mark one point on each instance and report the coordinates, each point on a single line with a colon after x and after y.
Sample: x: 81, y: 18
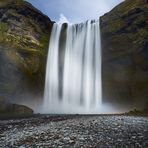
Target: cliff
x: 124, y: 33
x: 24, y: 37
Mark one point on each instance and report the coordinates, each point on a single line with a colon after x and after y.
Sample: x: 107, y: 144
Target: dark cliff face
x: 124, y: 33
x: 24, y: 37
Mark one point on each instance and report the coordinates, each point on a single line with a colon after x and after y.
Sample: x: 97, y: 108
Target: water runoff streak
x: 73, y: 73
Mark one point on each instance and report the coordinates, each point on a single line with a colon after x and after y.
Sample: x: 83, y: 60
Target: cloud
x: 63, y: 19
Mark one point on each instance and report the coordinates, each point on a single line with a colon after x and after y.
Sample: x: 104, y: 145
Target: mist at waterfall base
x: 73, y: 74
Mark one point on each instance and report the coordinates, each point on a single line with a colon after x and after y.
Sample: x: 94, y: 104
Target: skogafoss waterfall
x: 73, y: 73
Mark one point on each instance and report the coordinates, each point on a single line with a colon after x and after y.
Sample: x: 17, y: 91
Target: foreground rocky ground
x: 75, y: 131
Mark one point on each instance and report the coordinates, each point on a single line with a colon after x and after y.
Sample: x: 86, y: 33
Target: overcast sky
x: 74, y: 11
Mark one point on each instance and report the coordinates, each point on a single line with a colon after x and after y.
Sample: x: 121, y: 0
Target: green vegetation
x: 3, y: 31
x: 3, y: 27
x: 44, y: 43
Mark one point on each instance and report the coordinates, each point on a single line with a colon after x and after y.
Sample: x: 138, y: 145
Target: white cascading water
x: 73, y: 73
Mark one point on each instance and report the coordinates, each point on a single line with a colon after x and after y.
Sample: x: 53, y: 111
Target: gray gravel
x: 75, y: 131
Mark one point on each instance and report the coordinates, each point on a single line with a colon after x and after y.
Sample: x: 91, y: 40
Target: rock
x: 8, y: 109
x: 24, y: 38
x: 124, y: 53
x: 72, y: 141
x: 21, y: 147
x: 73, y: 138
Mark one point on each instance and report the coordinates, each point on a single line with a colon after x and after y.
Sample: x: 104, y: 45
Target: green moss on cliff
x: 26, y: 32
x: 3, y: 27
x: 3, y: 31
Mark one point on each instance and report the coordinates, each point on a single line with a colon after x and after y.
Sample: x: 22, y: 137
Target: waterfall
x: 73, y: 73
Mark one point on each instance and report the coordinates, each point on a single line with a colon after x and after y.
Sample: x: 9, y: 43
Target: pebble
x: 85, y: 131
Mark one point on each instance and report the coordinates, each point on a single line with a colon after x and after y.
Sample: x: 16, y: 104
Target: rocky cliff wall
x: 124, y: 33
x: 24, y: 38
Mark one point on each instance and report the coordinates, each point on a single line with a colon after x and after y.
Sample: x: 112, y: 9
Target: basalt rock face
x: 124, y: 33
x: 24, y: 37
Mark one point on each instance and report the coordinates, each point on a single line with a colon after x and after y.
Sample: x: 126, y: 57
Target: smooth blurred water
x: 73, y: 73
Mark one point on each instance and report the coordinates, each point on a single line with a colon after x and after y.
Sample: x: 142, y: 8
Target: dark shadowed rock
x: 124, y: 33
x: 9, y: 109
